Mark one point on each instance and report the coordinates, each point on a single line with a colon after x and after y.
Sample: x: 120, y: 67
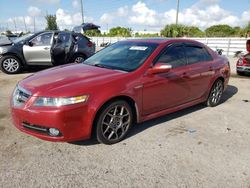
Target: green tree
x: 194, y: 32
x: 93, y: 33
x: 174, y: 30
x: 220, y: 31
x: 8, y: 32
x: 51, y: 22
x: 246, y: 30
x: 120, y: 31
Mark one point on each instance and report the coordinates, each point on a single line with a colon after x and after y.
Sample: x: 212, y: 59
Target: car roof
x: 162, y: 40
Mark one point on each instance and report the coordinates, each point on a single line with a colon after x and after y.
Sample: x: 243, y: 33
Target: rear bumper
x: 73, y: 122
x: 243, y: 69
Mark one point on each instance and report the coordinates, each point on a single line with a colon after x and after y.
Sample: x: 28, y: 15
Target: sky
x: 140, y: 15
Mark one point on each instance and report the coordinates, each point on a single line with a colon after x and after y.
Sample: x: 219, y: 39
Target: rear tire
x: 113, y: 122
x: 10, y: 64
x: 79, y: 58
x: 215, y: 93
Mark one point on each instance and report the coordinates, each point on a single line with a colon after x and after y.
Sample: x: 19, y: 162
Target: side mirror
x: 160, y: 68
x: 29, y: 43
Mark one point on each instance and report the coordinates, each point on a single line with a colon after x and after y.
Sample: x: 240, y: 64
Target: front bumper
x: 243, y: 69
x: 74, y: 121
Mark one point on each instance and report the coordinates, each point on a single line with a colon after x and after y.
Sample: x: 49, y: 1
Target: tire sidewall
x: 79, y: 55
x: 209, y: 100
x: 98, y: 129
x: 10, y: 57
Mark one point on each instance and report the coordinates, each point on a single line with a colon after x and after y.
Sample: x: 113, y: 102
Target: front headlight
x: 2, y: 50
x: 49, y: 101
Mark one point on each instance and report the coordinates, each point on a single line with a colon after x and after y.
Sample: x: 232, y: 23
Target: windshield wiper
x: 110, y: 67
x: 102, y: 66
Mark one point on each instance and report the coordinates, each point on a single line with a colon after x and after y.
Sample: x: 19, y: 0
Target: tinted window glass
x: 63, y: 38
x: 123, y: 55
x: 174, y: 56
x: 197, y: 54
x: 42, y: 40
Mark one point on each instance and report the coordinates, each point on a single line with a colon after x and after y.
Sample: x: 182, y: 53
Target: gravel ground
x: 195, y: 147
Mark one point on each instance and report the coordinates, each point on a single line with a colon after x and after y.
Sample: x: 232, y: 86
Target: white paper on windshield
x: 142, y: 48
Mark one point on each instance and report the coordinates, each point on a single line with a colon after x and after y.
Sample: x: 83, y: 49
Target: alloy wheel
x: 11, y: 65
x: 79, y: 59
x: 115, y: 123
x: 216, y: 92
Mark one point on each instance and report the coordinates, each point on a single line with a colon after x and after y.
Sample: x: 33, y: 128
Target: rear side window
x: 197, y: 54
x: 174, y: 56
x: 81, y: 38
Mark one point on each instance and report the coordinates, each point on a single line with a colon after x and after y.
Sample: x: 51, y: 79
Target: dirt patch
x: 2, y: 128
x: 2, y: 116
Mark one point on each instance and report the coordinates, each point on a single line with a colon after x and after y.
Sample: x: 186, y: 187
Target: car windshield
x: 22, y: 38
x: 126, y: 55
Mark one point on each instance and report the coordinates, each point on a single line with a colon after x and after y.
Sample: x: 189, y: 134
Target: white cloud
x: 75, y: 4
x: 122, y: 11
x: 143, y: 15
x: 68, y: 20
x: 106, y: 18
x: 34, y: 11
x: 203, y: 14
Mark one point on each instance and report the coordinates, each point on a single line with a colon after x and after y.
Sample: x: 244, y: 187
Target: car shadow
x: 229, y: 93
x: 34, y: 69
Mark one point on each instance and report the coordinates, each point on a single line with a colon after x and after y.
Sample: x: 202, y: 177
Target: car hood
x: 68, y: 80
x: 5, y: 42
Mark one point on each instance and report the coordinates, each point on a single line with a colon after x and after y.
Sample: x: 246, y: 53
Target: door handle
x: 210, y: 68
x: 184, y: 75
x: 46, y: 48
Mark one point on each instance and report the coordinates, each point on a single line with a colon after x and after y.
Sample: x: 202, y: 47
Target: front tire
x: 10, y: 64
x: 114, y: 122
x: 215, y: 94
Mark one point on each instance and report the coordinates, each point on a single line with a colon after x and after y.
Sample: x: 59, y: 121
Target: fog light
x: 54, y: 132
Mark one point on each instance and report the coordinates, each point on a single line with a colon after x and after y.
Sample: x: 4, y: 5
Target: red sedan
x: 126, y: 83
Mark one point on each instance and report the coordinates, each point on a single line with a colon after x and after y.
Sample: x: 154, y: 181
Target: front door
x: 38, y: 50
x: 166, y: 90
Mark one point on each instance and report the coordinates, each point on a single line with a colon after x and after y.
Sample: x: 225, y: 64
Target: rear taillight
x: 90, y: 44
x: 242, y: 61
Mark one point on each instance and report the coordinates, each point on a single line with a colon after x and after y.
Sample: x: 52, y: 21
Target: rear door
x: 200, y: 66
x: 166, y: 90
x: 38, y: 52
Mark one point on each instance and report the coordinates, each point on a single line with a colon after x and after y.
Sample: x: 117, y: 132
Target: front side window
x: 125, y: 55
x: 197, y: 54
x: 42, y: 40
x: 174, y: 56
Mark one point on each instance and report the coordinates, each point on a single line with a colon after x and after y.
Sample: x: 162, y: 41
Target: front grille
x: 35, y: 128
x: 20, y: 96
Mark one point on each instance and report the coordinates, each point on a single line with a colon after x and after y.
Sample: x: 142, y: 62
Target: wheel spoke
x: 111, y: 134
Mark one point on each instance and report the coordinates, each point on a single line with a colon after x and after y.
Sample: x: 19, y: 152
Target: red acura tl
x: 128, y: 82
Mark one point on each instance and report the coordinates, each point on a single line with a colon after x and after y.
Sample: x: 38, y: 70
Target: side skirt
x: 171, y: 110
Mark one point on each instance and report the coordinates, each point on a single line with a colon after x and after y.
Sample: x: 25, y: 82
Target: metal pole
x: 14, y: 20
x: 34, y: 24
x: 82, y: 12
x: 25, y: 24
x: 177, y: 11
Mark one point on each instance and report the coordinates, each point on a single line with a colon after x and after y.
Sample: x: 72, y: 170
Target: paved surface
x: 196, y: 147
